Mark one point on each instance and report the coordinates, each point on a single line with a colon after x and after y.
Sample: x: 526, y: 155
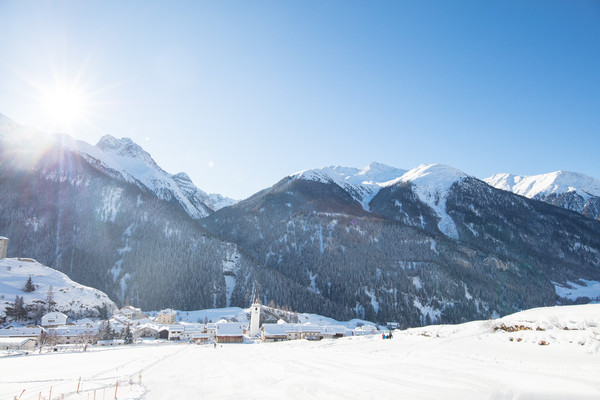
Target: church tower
x: 255, y: 315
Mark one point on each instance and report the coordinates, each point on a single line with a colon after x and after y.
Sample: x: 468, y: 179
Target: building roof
x: 20, y: 332
x: 55, y: 314
x: 73, y: 330
x: 167, y: 311
x: 276, y: 329
x: 229, y: 329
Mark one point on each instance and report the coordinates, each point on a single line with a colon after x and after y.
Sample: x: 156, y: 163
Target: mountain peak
x: 556, y: 182
x: 126, y: 148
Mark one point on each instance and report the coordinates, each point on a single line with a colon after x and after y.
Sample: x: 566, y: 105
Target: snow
x: 67, y: 294
x: 431, y: 183
x: 574, y: 290
x: 557, y: 182
x: 362, y: 184
x: 472, y: 360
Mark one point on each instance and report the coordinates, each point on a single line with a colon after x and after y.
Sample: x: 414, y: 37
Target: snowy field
x: 499, y: 359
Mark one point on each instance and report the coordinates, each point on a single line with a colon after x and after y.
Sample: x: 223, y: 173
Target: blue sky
x: 240, y: 94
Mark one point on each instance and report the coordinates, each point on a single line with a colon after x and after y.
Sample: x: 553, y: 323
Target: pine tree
x: 50, y: 303
x: 128, y: 335
x: 29, y: 286
x: 18, y: 310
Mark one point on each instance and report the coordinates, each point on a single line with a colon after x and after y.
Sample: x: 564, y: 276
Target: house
x: 229, y: 333
x: 147, y: 331
x: 275, y: 332
x: 192, y: 330
x: 132, y: 312
x: 54, y: 319
x: 175, y: 332
x: 392, y: 325
x: 73, y: 334
x: 211, y: 329
x: 26, y: 344
x: 366, y: 330
x: 201, y: 338
x: 166, y: 317
x: 334, y: 331
x: 311, y: 332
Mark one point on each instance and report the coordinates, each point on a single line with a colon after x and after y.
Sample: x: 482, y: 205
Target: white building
x: 166, y: 317
x: 54, y: 319
x: 132, y: 312
x: 26, y: 344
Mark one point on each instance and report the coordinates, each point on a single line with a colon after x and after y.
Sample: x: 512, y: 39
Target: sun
x: 64, y: 105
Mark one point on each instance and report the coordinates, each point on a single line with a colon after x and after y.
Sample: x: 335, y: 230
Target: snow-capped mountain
x: 362, y: 184
x: 122, y: 159
x: 570, y: 190
x: 69, y: 297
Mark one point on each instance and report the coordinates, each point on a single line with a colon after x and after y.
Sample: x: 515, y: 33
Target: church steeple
x: 255, y: 314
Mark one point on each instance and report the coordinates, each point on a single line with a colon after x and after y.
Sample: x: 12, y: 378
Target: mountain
x: 570, y: 190
x: 87, y: 213
x: 69, y: 297
x: 361, y: 184
x: 431, y: 245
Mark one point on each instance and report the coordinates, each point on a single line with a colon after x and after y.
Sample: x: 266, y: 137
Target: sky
x: 239, y: 94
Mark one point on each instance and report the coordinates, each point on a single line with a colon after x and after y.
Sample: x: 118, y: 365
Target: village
x: 130, y: 325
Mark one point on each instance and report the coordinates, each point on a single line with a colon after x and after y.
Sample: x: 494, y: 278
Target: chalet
x: 366, y: 330
x: 334, y: 331
x: 72, y: 334
x: 54, y: 319
x: 132, y: 313
x: 274, y: 332
x: 166, y: 317
x: 147, y: 331
x: 229, y: 333
x: 311, y: 332
x: 14, y: 343
x: 175, y: 332
x: 193, y: 330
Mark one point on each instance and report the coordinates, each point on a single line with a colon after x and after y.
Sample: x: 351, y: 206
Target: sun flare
x: 65, y: 105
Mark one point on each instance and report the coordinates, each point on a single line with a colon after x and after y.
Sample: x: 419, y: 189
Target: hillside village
x: 43, y: 326
x: 130, y: 325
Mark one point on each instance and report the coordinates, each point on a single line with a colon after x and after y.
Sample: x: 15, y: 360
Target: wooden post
x: 78, y: 383
x: 116, y: 388
x: 50, y: 395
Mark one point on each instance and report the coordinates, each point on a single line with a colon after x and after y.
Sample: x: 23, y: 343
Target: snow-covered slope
x: 362, y: 184
x: 554, y: 182
x: 70, y: 297
x: 431, y: 183
x: 570, y: 190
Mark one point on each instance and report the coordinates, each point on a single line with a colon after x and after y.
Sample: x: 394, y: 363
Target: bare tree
x: 46, y: 339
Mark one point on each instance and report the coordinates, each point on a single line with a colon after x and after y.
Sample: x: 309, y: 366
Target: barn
x: 229, y: 333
